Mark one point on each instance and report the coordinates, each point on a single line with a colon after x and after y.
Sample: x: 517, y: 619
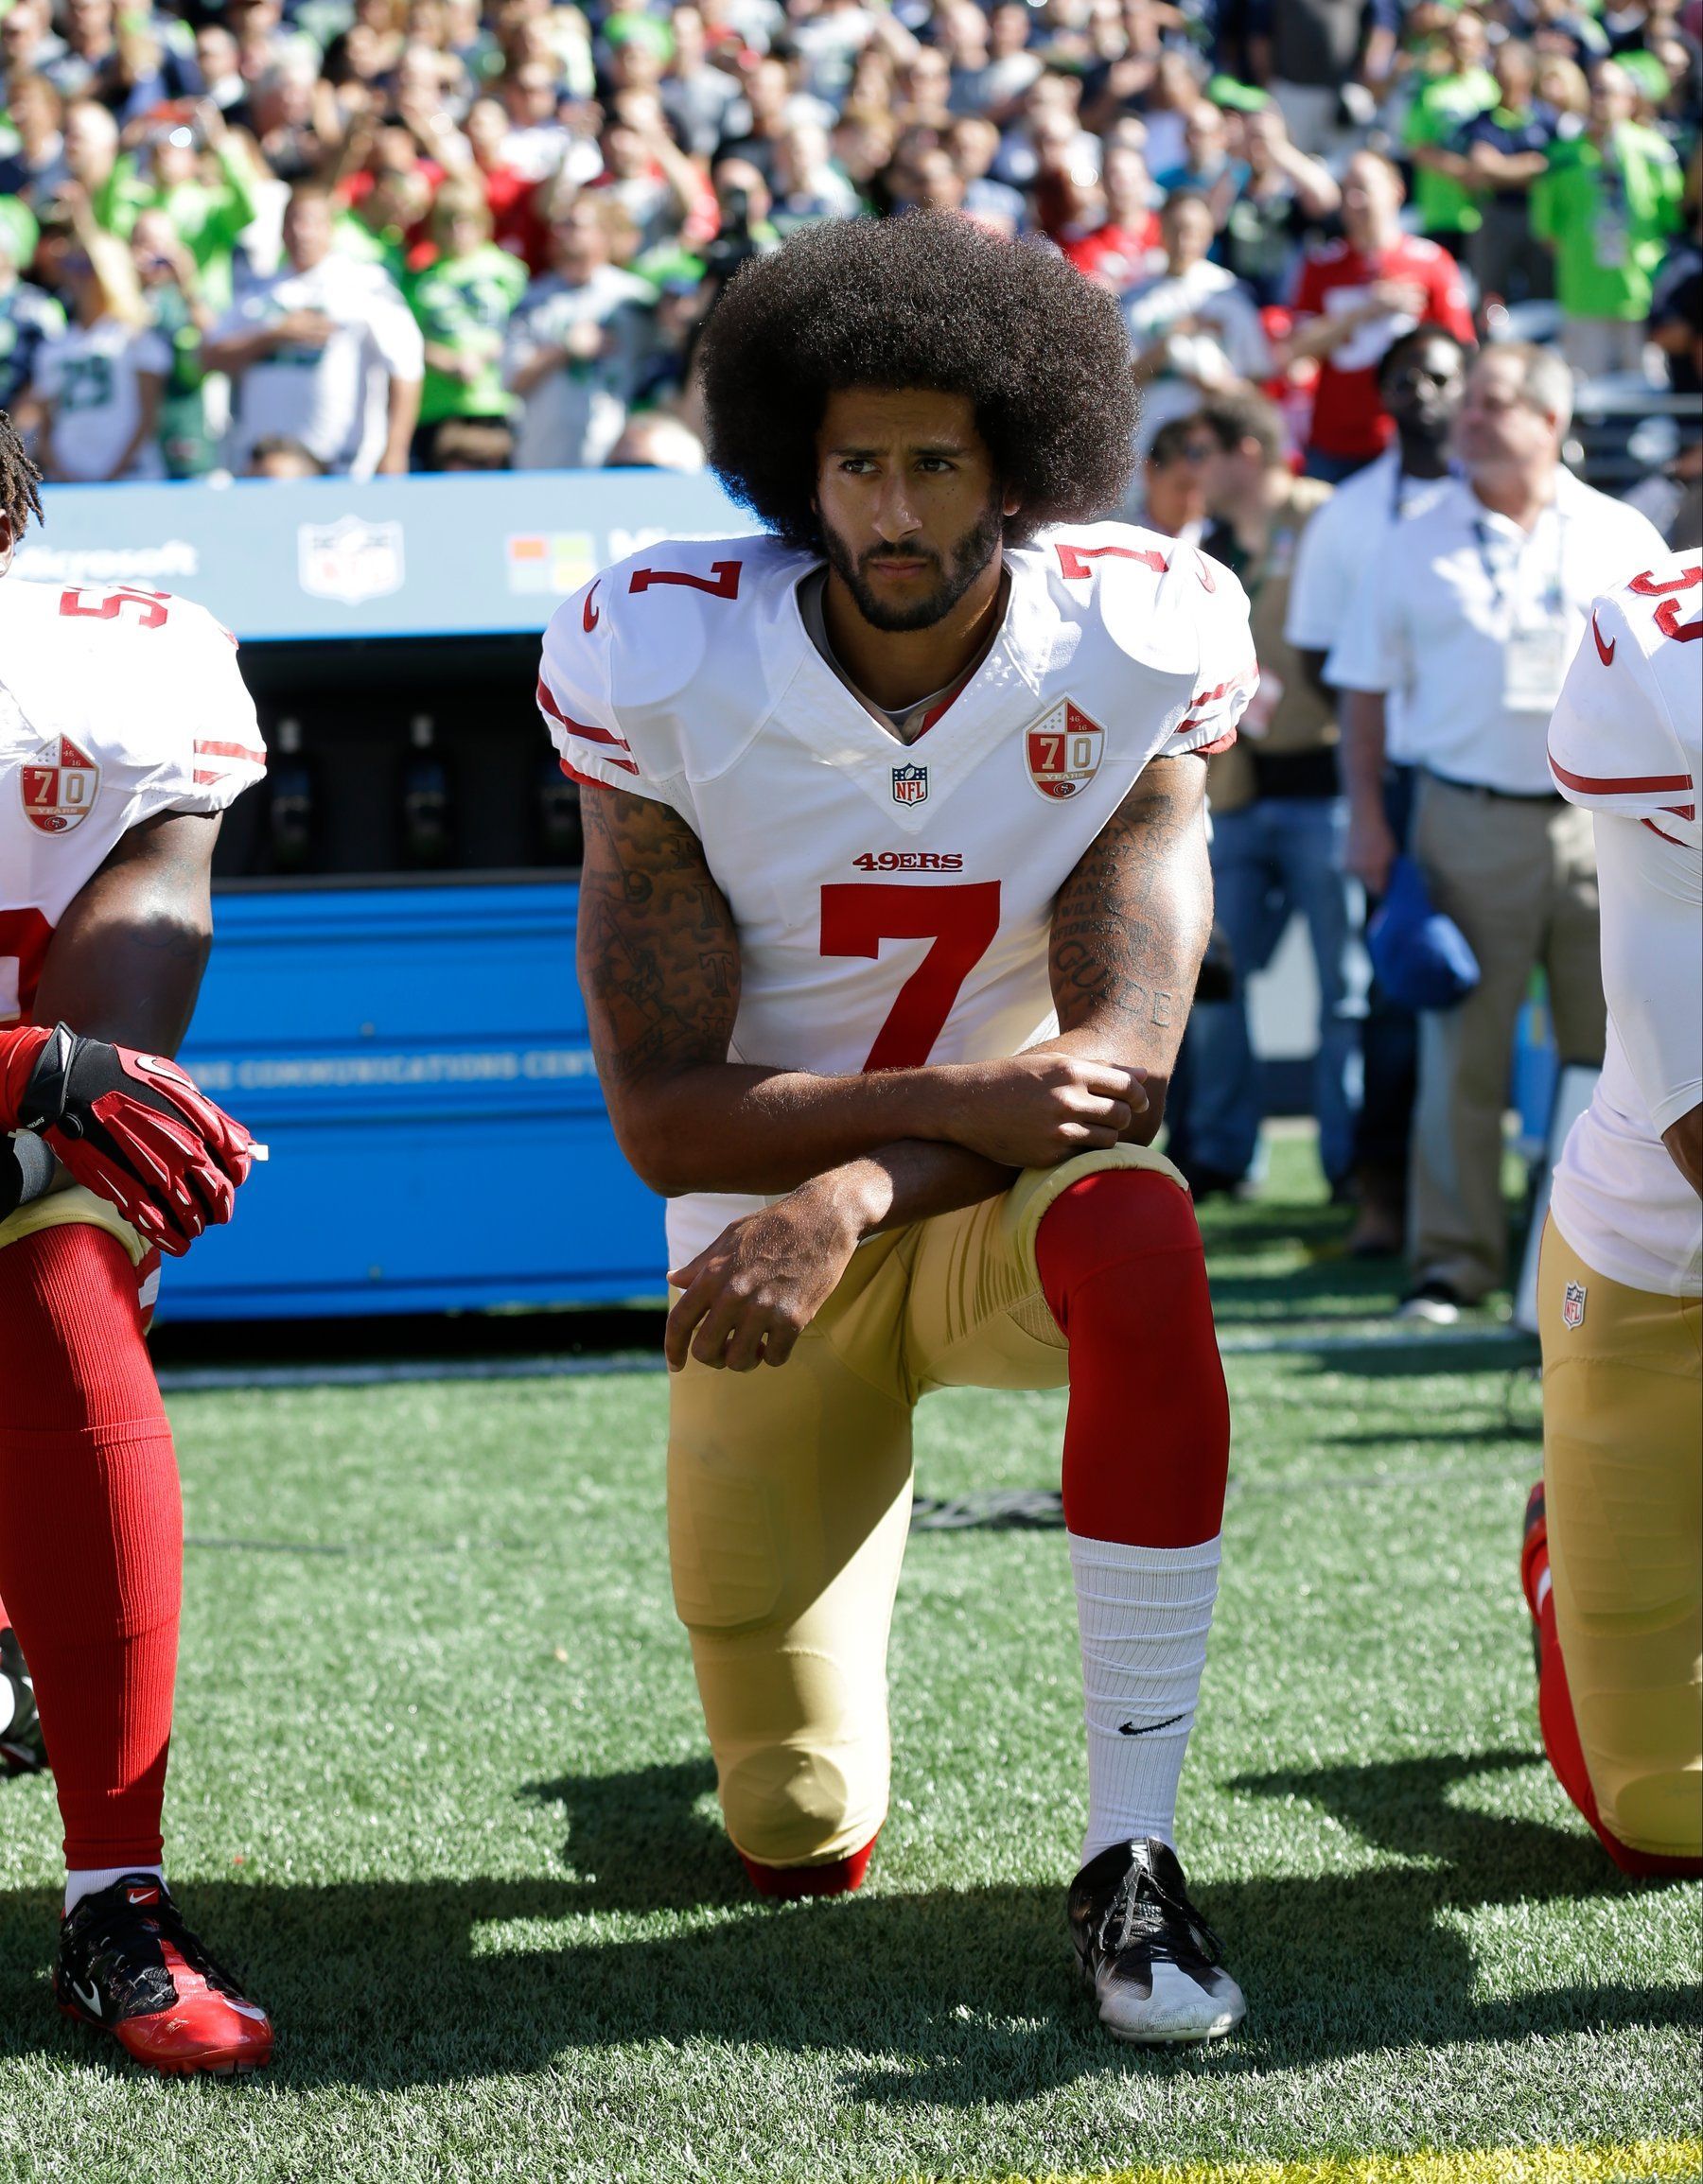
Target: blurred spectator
x: 973, y: 144
x: 576, y: 342
x: 1457, y: 87
x: 1120, y: 248
x: 1473, y: 610
x: 278, y: 456
x: 463, y: 302
x: 1352, y: 300
x: 696, y: 97
x: 1608, y: 206
x: 94, y: 395
x: 472, y: 444
x: 1193, y: 328
x: 34, y: 165
x: 178, y: 310
x: 167, y: 172
x: 324, y: 352
x: 1283, y: 195
x: 1172, y: 490
x: 28, y: 315
x: 1277, y: 819
x: 656, y: 442
x: 1421, y: 381
x: 1320, y: 48
x: 1499, y: 153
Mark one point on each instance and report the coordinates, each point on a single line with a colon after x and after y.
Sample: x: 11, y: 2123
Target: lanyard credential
x: 1498, y: 573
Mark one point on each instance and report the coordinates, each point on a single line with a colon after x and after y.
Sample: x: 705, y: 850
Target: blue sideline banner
x: 472, y: 555
x: 418, y: 1060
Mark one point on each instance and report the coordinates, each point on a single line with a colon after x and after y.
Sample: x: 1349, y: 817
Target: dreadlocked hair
x: 20, y: 480
x: 927, y: 300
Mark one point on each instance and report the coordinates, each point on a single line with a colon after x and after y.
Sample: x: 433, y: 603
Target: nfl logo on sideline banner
x: 349, y: 560
x: 910, y: 784
x: 1063, y: 750
x: 1572, y: 1305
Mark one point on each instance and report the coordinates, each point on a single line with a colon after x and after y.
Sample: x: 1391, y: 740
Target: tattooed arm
x: 1130, y: 928
x: 659, y: 964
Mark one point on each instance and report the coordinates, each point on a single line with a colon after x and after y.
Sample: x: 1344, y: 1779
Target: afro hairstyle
x: 925, y: 300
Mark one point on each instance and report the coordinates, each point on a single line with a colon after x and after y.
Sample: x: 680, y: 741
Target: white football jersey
x: 893, y: 901
x: 1626, y: 741
x: 115, y: 706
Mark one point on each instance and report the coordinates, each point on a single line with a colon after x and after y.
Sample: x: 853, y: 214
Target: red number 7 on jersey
x: 857, y: 916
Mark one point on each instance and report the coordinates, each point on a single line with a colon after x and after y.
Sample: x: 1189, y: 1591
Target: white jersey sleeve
x: 1227, y: 673
x: 1194, y: 621
x: 146, y: 684
x: 584, y: 660
x: 1622, y: 739
x: 1652, y: 907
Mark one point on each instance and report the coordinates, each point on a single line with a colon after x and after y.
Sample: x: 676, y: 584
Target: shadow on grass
x: 393, y: 1984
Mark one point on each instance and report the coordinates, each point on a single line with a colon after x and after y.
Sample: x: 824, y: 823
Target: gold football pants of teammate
x: 789, y: 1499
x: 1622, y: 1473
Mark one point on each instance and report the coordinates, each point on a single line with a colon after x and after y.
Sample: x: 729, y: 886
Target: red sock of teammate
x: 1147, y: 1457
x: 1555, y: 1712
x: 91, y: 1535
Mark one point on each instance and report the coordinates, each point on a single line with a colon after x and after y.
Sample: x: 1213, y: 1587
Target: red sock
x: 1561, y: 1732
x: 91, y: 1535
x: 789, y: 1882
x: 1147, y: 1437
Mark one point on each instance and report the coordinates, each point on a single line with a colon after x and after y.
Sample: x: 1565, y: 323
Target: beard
x: 955, y: 574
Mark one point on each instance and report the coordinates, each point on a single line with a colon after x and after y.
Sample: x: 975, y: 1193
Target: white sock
x: 6, y: 1704
x: 91, y: 1879
x: 1142, y: 1614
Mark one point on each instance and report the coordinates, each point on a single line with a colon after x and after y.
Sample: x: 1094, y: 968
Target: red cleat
x: 128, y: 1966
x: 788, y: 1882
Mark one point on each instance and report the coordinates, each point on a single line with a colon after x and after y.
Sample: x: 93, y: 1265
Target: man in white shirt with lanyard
x: 1472, y: 613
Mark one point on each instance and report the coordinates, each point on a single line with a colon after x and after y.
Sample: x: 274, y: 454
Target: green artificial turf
x: 440, y: 1785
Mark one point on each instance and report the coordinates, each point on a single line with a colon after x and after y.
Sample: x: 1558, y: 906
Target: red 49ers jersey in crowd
x: 1348, y: 417
x: 114, y: 706
x: 893, y: 901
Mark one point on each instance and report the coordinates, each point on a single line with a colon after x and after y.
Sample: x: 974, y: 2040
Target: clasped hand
x: 746, y: 1301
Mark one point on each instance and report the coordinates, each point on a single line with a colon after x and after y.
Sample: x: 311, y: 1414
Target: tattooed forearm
x: 1131, y: 924
x: 658, y: 957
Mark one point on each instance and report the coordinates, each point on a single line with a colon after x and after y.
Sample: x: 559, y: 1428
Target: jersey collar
x: 823, y: 714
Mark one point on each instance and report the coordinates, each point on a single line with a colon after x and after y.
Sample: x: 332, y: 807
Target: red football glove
x: 131, y: 1128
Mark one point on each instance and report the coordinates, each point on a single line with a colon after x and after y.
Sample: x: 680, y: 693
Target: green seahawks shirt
x: 465, y: 304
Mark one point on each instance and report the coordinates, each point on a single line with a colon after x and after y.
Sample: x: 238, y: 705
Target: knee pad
x: 802, y: 1755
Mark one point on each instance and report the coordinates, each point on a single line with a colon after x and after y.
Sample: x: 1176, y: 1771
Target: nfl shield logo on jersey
x: 349, y: 560
x: 910, y: 784
x: 1572, y: 1305
x: 1063, y: 750
x: 58, y: 789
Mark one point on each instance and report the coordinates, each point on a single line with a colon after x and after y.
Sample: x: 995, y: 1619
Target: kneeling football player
x: 125, y: 730
x: 1613, y: 1564
x: 895, y: 891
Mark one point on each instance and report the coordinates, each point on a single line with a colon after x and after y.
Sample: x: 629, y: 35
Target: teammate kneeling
x: 895, y: 891
x: 1613, y: 1564
x: 125, y: 730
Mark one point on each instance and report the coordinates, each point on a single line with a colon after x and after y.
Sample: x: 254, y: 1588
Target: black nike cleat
x: 22, y: 1751
x: 128, y: 1966
x: 1152, y: 1960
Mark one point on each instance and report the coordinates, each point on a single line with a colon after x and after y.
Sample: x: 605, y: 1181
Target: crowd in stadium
x: 284, y: 238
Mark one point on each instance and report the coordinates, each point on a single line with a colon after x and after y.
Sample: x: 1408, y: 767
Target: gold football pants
x: 789, y: 1494
x: 1622, y: 1471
